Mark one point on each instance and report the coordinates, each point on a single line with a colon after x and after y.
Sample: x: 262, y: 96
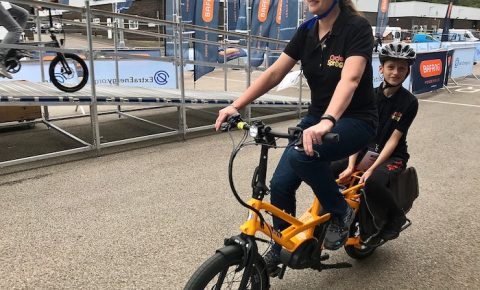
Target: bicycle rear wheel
x: 68, y: 73
x: 218, y: 272
x: 361, y: 251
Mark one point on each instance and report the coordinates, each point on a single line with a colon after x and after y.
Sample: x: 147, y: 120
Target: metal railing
x: 177, y: 59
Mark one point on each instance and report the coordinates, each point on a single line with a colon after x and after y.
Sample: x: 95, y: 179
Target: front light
x: 253, y: 131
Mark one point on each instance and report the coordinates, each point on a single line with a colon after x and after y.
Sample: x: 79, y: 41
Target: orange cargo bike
x: 238, y: 265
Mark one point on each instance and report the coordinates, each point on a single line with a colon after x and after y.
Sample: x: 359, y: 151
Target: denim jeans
x: 295, y: 167
x: 14, y: 20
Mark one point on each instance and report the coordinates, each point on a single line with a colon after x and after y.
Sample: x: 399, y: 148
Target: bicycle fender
x: 230, y: 250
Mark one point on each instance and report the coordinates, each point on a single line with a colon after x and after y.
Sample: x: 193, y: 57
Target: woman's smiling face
x: 318, y: 7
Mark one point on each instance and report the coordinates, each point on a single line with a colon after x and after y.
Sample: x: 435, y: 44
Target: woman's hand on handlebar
x: 223, y: 115
x: 313, y: 135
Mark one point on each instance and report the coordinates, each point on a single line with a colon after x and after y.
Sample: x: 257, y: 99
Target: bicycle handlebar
x: 259, y: 130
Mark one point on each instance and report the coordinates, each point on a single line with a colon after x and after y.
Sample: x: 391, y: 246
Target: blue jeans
x: 14, y: 20
x: 295, y: 167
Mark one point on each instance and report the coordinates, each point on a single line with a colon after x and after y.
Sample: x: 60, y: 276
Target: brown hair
x: 349, y: 6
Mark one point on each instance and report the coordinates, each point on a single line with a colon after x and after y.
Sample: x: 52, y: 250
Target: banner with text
x: 477, y: 51
x: 462, y: 64
x: 206, y: 14
x: 275, y: 33
x: 263, y: 12
x: 382, y: 18
x: 188, y: 12
x: 428, y: 72
x: 153, y: 74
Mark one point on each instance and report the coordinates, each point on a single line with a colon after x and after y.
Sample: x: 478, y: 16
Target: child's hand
x: 346, y: 173
x: 365, y: 176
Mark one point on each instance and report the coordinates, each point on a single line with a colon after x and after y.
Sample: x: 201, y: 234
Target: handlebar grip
x: 331, y: 138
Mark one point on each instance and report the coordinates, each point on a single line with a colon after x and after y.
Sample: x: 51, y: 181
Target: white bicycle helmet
x: 397, y: 51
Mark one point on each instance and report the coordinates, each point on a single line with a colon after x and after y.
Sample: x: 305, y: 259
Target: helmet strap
x: 326, y: 13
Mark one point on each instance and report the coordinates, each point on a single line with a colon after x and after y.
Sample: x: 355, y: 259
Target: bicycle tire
x: 228, y: 260
x: 58, y: 84
x: 354, y: 252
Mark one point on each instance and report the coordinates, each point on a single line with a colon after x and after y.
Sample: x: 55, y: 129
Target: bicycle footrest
x: 319, y: 267
x: 324, y: 257
x: 275, y: 272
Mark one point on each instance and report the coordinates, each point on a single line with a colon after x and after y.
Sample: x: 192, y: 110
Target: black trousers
x: 379, y: 198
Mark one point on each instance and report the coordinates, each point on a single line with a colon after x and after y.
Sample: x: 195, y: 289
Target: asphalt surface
x: 147, y: 218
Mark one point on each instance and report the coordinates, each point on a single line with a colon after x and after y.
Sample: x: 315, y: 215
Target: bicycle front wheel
x: 218, y: 272
x: 69, y: 73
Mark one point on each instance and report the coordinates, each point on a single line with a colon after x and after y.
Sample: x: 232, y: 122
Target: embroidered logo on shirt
x: 395, y: 165
x: 336, y: 61
x: 397, y: 116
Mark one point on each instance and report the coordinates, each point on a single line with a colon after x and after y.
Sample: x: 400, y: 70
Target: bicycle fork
x: 249, y: 247
x: 65, y: 66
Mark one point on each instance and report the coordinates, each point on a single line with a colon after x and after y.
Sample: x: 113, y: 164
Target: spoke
x: 221, y: 277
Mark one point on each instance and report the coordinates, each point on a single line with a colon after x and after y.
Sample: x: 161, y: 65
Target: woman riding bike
x: 14, y: 19
x: 386, y: 157
x: 335, y: 49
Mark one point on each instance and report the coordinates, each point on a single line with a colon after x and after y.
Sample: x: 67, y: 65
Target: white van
x: 462, y: 34
x: 396, y: 33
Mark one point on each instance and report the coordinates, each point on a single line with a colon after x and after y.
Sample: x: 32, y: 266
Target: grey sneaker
x: 3, y: 72
x: 337, y: 231
x: 272, y: 260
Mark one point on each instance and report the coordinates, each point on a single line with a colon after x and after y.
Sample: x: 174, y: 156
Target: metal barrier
x: 178, y: 60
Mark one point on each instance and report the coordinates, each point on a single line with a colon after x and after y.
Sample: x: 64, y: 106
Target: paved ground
x: 147, y: 218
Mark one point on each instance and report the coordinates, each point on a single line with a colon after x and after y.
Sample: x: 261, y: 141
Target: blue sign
x: 428, y: 72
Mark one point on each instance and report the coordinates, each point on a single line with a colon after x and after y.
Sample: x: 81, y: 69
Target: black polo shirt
x: 322, y: 64
x: 396, y: 112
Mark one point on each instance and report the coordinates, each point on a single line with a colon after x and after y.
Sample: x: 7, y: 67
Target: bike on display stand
x: 239, y: 265
x: 67, y: 71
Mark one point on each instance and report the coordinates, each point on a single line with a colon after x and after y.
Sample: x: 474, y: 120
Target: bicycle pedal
x: 275, y: 272
x: 324, y: 257
x: 282, y: 272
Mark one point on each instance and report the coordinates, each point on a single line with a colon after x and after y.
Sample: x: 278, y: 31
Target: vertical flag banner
x: 448, y: 66
x: 188, y: 10
x: 286, y: 21
x: 382, y: 18
x: 206, y: 14
x: 447, y: 20
x: 169, y: 11
x: 233, y: 14
x: 275, y: 32
x: 289, y: 19
x: 262, y: 15
x: 241, y: 25
x: 306, y: 13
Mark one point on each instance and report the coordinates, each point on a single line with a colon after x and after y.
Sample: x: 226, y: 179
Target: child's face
x: 394, y: 71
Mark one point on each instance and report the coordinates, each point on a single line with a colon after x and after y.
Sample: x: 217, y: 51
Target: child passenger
x: 386, y: 156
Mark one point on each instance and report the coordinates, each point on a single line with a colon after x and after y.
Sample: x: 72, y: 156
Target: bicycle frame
x: 301, y: 229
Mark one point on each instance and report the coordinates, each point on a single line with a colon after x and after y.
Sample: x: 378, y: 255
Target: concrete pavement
x: 147, y: 218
